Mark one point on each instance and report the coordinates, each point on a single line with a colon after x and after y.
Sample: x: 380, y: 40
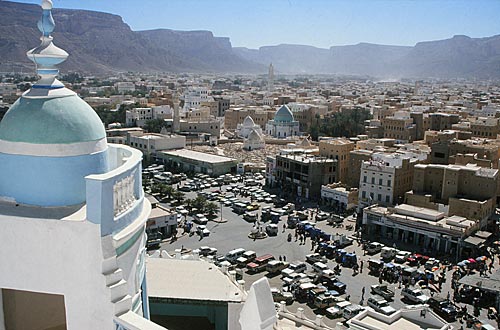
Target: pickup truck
x: 443, y: 307
x: 383, y: 291
x: 279, y: 295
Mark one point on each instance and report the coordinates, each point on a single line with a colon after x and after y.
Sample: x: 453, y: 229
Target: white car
x: 322, y: 216
x: 414, y: 295
x: 202, y: 230
x: 206, y: 251
x: 380, y: 305
x: 401, y: 256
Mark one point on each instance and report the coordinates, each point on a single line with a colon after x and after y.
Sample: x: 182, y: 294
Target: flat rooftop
x: 189, y: 280
x: 399, y: 324
x: 200, y: 156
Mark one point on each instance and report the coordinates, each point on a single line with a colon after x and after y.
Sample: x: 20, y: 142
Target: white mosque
x: 283, y: 125
x: 254, y: 141
x: 243, y: 130
x: 72, y: 211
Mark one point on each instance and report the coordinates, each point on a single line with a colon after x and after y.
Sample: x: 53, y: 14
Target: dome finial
x: 47, y: 55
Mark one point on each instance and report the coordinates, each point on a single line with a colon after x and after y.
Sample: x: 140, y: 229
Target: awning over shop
x: 483, y: 234
x: 473, y: 240
x: 491, y: 283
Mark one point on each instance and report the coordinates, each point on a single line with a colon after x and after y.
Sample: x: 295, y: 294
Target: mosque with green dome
x: 283, y: 125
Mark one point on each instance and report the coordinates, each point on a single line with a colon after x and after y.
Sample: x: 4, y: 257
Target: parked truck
x: 383, y: 291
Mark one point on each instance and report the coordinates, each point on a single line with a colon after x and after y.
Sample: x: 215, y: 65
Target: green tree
x: 211, y: 209
x: 199, y: 203
x: 154, y: 125
x: 178, y: 196
x: 166, y: 191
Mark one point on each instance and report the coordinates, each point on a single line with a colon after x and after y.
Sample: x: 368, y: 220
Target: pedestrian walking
x: 361, y: 267
x: 363, y: 293
x: 284, y: 227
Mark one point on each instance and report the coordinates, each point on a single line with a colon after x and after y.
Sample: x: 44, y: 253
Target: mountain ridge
x: 100, y: 42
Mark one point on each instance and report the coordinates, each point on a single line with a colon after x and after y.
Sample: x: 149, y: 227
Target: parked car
x: 414, y: 295
x: 272, y: 229
x: 250, y: 216
x: 379, y: 304
x: 200, y: 219
x: 253, y: 206
x: 401, y: 256
x: 259, y: 264
x: 276, y: 266
x: 294, y: 267
x: 279, y: 295
x: 383, y: 291
x: 338, y: 309
x: 246, y: 257
x: 234, y: 254
x: 315, y: 257
x: 387, y: 253
x: 322, y: 216
x: 351, y: 311
x: 443, y: 307
x: 338, y: 286
x: 319, y: 267
x: 374, y: 247
x: 325, y: 300
x: 202, y: 230
x: 206, y: 251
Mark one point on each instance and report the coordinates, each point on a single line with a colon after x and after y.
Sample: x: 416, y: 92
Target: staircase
x: 115, y: 283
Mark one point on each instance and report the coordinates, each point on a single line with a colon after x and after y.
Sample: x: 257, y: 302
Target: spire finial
x: 47, y: 55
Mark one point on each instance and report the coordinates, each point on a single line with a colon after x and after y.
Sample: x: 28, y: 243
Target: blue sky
x: 320, y: 23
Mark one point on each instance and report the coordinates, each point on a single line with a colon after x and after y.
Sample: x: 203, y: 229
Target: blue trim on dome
x: 46, y: 87
x: 49, y: 181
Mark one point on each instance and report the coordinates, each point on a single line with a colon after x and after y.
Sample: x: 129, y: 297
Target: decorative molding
x: 124, y: 194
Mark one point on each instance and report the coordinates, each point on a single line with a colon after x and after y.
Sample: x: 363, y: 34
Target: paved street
x: 234, y: 234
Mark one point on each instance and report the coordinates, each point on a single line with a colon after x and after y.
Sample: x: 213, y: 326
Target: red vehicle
x: 259, y: 264
x: 417, y: 259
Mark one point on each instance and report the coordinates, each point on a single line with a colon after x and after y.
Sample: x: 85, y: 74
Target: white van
x: 232, y: 255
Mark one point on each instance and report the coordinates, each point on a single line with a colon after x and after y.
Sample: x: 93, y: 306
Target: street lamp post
x: 220, y: 211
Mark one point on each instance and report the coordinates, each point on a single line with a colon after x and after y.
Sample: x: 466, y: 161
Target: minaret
x: 47, y: 55
x: 177, y: 125
x: 270, y: 79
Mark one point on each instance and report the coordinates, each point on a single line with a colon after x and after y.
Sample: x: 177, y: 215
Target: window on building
x: 389, y: 183
x: 363, y: 194
x: 380, y: 181
x: 379, y: 197
x: 364, y: 178
x: 373, y: 180
x: 387, y: 199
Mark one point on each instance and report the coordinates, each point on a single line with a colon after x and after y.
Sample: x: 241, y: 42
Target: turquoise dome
x: 283, y: 115
x: 59, y: 120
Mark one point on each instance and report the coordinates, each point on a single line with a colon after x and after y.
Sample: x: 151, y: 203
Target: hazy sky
x: 321, y: 23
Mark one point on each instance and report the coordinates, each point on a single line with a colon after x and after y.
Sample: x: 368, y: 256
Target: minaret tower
x: 270, y: 79
x: 177, y: 125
